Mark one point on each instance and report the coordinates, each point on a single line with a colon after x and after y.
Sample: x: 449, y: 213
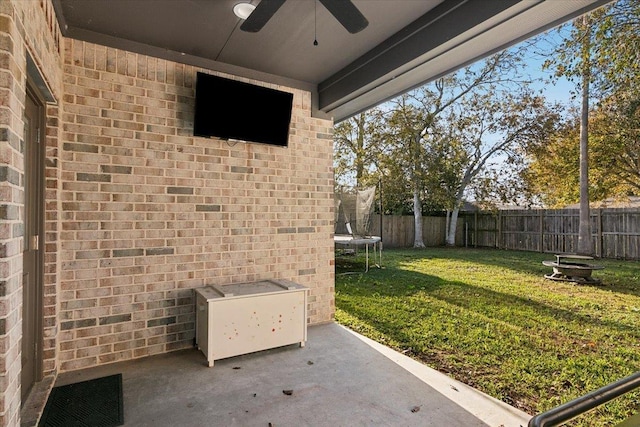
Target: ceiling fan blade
x: 261, y: 15
x: 347, y: 14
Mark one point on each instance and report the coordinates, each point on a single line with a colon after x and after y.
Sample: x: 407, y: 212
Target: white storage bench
x: 242, y: 318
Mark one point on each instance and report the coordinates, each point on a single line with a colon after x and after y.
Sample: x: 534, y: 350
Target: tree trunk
x: 585, y: 246
x: 446, y: 225
x: 417, y: 216
x: 359, y: 161
x: 453, y: 225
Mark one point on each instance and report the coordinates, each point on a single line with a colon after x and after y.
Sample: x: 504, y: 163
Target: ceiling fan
x: 343, y: 10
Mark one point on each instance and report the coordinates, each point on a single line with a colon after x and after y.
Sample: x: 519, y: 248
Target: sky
x: 559, y: 90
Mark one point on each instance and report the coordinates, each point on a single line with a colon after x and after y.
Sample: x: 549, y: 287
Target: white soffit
x: 515, y: 24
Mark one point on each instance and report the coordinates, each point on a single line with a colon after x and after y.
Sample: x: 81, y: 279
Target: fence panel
x: 398, y: 231
x: 620, y: 233
x: 615, y: 231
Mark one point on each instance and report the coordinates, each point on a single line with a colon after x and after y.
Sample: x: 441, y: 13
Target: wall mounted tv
x: 229, y: 109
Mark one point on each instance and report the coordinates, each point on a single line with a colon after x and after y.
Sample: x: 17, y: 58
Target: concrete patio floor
x: 339, y: 379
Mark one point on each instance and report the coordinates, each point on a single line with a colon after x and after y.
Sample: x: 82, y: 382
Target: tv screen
x: 230, y: 109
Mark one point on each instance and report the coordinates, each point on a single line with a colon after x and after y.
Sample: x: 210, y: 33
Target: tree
x: 616, y: 129
x: 573, y: 59
x: 552, y: 171
x: 356, y: 148
x: 418, y: 132
x: 601, y: 50
x: 488, y: 123
x: 616, y: 40
x: 405, y: 124
x: 617, y: 121
x: 585, y: 245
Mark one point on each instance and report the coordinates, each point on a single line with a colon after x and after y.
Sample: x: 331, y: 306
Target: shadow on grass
x: 553, y: 344
x: 521, y: 312
x: 346, y: 264
x: 618, y: 276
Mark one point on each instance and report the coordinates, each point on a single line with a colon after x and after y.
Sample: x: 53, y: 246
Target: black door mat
x: 93, y: 403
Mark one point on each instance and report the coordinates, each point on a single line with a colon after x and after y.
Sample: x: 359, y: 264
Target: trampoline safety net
x: 353, y: 211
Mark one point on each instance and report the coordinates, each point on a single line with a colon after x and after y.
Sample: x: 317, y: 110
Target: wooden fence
x: 615, y: 231
x: 398, y: 231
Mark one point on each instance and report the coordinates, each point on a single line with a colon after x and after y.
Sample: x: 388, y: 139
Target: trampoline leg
x: 379, y: 247
x: 366, y: 249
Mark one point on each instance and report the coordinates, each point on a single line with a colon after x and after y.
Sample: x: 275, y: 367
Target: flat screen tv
x: 229, y: 109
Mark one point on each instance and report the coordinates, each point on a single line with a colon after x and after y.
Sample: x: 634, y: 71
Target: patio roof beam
x: 453, y: 35
x: 436, y: 27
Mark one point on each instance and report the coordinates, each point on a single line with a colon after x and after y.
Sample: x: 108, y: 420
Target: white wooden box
x: 242, y: 318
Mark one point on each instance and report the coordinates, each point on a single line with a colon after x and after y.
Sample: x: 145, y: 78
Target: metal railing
x: 581, y: 405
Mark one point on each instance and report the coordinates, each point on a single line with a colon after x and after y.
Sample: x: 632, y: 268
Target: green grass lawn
x: 489, y: 319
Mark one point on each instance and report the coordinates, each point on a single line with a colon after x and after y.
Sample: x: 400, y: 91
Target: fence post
x: 475, y: 229
x: 446, y: 227
x: 499, y: 230
x: 466, y: 234
x: 541, y: 224
x: 599, y: 250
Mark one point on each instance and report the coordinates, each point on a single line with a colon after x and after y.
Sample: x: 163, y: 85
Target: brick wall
x: 149, y: 212
x: 52, y: 207
x: 25, y: 26
x: 138, y: 212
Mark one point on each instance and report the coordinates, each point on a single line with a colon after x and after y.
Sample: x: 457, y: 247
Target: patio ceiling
x: 407, y: 42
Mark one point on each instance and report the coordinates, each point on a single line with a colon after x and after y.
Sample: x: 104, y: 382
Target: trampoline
x: 353, y: 210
